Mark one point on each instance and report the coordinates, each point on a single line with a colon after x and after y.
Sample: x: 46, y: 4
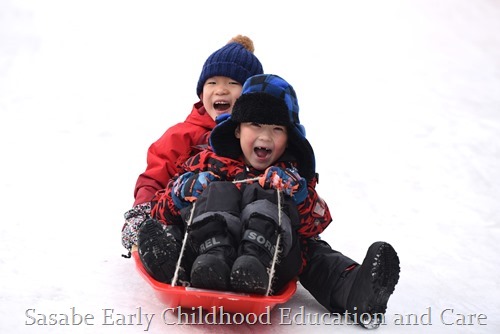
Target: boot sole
x: 158, y: 252
x: 374, y: 284
x: 210, y: 272
x: 249, y: 275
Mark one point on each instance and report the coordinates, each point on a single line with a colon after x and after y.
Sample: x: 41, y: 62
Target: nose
x: 265, y: 134
x: 221, y: 90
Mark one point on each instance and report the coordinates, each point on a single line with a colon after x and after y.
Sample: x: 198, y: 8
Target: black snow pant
x: 324, y: 273
x: 225, y: 199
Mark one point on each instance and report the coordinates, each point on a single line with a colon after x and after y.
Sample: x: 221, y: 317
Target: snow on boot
x: 159, y: 247
x: 210, y: 236
x: 373, y: 283
x: 250, y: 270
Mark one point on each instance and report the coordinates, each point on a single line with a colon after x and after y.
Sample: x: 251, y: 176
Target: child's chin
x: 260, y: 166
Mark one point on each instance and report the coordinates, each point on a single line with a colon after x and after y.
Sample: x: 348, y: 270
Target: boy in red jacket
x: 219, y: 85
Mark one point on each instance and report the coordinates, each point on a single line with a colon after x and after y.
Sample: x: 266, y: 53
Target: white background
x: 401, y: 100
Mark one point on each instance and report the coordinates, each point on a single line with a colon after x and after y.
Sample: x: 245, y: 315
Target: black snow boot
x: 262, y: 223
x: 372, y: 284
x: 250, y: 272
x: 217, y: 252
x: 340, y: 284
x: 159, y: 247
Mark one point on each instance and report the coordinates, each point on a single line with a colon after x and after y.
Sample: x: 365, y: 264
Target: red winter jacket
x: 172, y: 149
x: 314, y: 213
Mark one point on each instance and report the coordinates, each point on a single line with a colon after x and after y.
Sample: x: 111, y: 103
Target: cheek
x: 281, y: 143
x: 246, y: 140
x: 235, y: 90
x: 205, y: 99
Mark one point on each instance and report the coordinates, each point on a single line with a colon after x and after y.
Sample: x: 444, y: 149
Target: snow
x: 401, y: 100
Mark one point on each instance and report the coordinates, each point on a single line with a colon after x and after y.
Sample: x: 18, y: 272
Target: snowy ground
x: 401, y: 100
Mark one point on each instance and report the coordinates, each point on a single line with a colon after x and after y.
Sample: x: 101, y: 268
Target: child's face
x: 262, y: 144
x: 219, y: 95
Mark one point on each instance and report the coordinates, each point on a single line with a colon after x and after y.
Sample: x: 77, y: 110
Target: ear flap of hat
x: 223, y: 140
x: 302, y: 151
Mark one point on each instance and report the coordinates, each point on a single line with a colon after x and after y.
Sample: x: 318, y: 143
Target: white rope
x: 184, y: 241
x: 247, y: 180
x: 272, y: 270
x: 276, y: 248
x: 183, y: 247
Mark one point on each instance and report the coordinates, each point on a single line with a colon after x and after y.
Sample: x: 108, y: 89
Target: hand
x: 189, y: 186
x: 286, y: 180
x: 133, y: 220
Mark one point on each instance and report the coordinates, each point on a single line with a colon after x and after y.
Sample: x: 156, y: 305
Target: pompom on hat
x: 265, y: 99
x: 235, y: 60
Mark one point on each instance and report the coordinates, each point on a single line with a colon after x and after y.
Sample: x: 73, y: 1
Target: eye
x: 234, y: 83
x: 280, y: 128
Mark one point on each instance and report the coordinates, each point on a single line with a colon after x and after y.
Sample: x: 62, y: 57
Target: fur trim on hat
x: 260, y: 108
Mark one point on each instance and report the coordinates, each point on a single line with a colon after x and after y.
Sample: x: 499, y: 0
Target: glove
x: 286, y: 180
x: 189, y: 186
x: 133, y: 220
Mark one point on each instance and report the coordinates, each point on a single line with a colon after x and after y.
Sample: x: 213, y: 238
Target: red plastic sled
x: 231, y: 302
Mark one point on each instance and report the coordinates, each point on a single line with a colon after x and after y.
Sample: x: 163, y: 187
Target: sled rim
x: 230, y: 301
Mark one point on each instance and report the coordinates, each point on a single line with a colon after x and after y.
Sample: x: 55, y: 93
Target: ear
x: 237, y: 132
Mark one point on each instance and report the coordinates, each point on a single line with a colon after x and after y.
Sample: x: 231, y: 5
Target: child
x: 224, y: 208
x: 232, y: 223
x: 220, y: 82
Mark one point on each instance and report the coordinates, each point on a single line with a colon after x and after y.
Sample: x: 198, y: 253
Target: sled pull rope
x: 183, y: 247
x: 278, y: 240
x: 247, y: 180
x: 184, y: 240
x: 276, y: 248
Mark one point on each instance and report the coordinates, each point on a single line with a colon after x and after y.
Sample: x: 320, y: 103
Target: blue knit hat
x: 235, y: 60
x: 266, y: 99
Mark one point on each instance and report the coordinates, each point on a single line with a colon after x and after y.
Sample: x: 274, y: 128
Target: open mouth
x: 262, y: 152
x: 221, y: 105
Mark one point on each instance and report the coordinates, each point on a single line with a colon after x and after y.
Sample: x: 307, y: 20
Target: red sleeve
x: 164, y: 156
x: 314, y: 213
